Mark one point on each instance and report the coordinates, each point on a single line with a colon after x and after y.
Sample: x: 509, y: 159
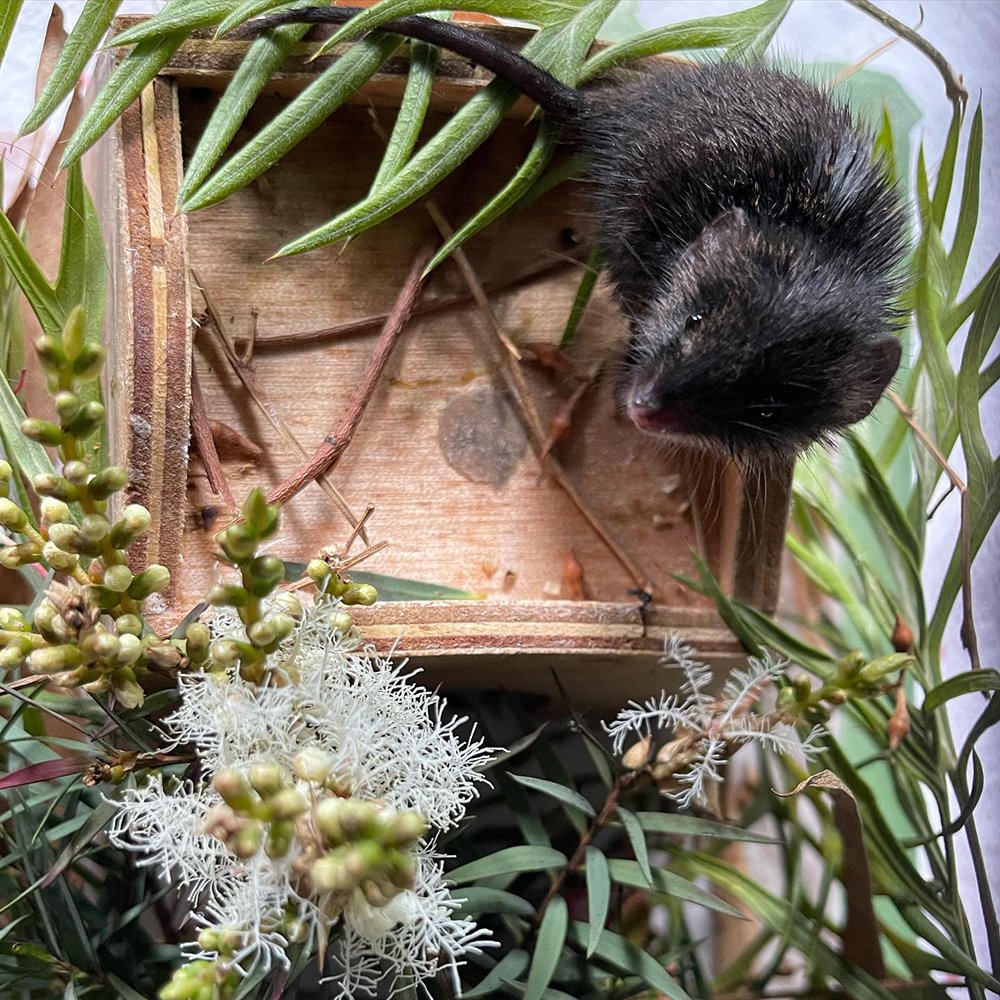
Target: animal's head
x: 762, y: 342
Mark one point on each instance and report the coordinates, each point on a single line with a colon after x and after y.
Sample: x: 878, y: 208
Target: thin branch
x: 518, y: 388
x: 201, y: 431
x: 954, y: 87
x: 968, y: 630
x: 367, y: 324
x: 246, y: 374
x: 326, y: 456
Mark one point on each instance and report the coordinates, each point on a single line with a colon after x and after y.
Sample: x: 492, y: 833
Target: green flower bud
x: 65, y: 537
x: 283, y: 626
x: 196, y: 639
x: 226, y: 653
x: 43, y: 431
x: 403, y: 829
x: 326, y: 817
x: 54, y: 511
x: 317, y: 571
x: 329, y: 874
x: 230, y: 594
x: 47, y: 484
x: 118, y: 578
x: 61, y: 562
x: 149, y: 581
x: 360, y: 593
x: 108, y: 481
x: 287, y: 804
x: 340, y: 621
x: 312, y: 764
x: 74, y: 333
x: 875, y: 671
x: 279, y: 838
x: 95, y: 528
x: 88, y: 419
x: 262, y: 634
x: 260, y: 517
x: 52, y: 659
x: 103, y: 597
x: 127, y: 691
x: 76, y: 472
x: 11, y: 516
x: 99, y: 645
x: 67, y: 405
x: 288, y: 604
x: 238, y: 542
x: 164, y: 654
x: 364, y: 858
x: 267, y: 779
x: 788, y: 703
x: 51, y: 354
x: 90, y: 361
x: 848, y: 667
x: 20, y: 555
x: 11, y: 620
x: 235, y: 790
x: 248, y: 840
x: 128, y: 625
x: 6, y: 472
x: 129, y: 649
x: 835, y: 695
x: 44, y: 618
x: 263, y: 574
x: 135, y: 521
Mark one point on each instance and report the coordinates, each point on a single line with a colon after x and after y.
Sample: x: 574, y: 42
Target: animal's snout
x: 651, y: 413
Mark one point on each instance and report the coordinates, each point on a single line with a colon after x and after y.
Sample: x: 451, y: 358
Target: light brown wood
x: 440, y: 453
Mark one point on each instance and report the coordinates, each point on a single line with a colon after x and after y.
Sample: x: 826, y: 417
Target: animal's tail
x: 533, y: 81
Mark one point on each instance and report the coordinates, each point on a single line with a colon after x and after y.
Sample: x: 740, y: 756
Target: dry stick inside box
x: 557, y: 541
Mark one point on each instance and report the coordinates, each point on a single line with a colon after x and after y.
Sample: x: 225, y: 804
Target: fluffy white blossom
x: 709, y: 725
x: 389, y: 742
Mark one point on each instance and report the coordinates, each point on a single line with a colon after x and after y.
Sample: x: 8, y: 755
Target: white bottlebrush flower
x: 346, y: 711
x: 709, y: 727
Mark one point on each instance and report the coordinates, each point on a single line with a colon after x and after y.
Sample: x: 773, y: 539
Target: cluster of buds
x: 259, y: 576
x: 853, y: 677
x: 338, y: 844
x: 203, y: 979
x: 331, y: 586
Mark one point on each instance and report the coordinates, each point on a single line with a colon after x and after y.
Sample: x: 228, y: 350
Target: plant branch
x: 201, y: 431
x: 326, y: 456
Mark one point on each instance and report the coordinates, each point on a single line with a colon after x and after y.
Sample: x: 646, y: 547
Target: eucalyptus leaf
x: 675, y: 825
x: 556, y: 791
x: 508, y: 969
x: 637, y: 838
x: 90, y: 28
x: 8, y: 18
x: 475, y: 899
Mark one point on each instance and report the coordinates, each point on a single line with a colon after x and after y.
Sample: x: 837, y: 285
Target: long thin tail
x: 533, y: 81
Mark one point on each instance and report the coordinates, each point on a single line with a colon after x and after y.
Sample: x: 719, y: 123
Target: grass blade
x: 304, y: 114
x: 94, y: 21
x: 40, y: 294
x: 964, y: 683
x: 122, y: 88
x: 968, y: 212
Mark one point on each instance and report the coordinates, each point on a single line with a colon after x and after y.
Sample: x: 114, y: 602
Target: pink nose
x: 657, y: 418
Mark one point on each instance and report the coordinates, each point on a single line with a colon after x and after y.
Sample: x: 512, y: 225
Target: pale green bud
x: 129, y: 649
x: 88, y: 365
x: 67, y: 405
x: 11, y: 516
x: 403, y: 829
x: 226, y: 653
x: 51, y: 354
x: 287, y: 804
x: 61, y: 562
x: 52, y: 659
x: 95, y: 528
x: 164, y: 654
x: 127, y: 690
x: 262, y: 634
x: 263, y: 574
x: 197, y: 637
x: 360, y: 593
x: 135, y: 521
x: 11, y: 620
x: 149, y: 581
x: 247, y: 841
x: 74, y: 333
x: 99, y: 645
x: 19, y: 555
x: 118, y: 578
x: 48, y: 484
x: 128, y: 625
x: 43, y: 431
x: 287, y: 603
x: 317, y: 571
x: 238, y: 542
x: 108, y: 481
x: 875, y: 671
x: 65, y: 536
x: 267, y: 779
x: 312, y: 764
x: 54, y: 511
x: 340, y: 621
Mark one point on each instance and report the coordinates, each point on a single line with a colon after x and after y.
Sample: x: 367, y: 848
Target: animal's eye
x: 766, y: 410
x: 693, y: 321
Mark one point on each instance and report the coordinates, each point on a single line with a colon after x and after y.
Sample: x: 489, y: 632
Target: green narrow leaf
x: 636, y: 837
x: 598, y: 895
x: 509, y: 861
x: 727, y: 610
x: 541, y: 12
x: 508, y: 969
x: 580, y: 301
x: 669, y: 883
x: 964, y: 683
x: 946, y: 172
x: 622, y: 954
x: 180, y: 16
x: 554, y: 790
x: 254, y: 8
x: 424, y: 60
x: 675, y: 825
x: 885, y: 147
x: 475, y: 899
x: 968, y: 212
x: 93, y: 23
x: 745, y: 31
x: 26, y: 456
x: 397, y: 588
x: 8, y: 18
x: 548, y: 947
x: 123, y: 86
x: 40, y: 294
x: 263, y: 58
x: 288, y: 128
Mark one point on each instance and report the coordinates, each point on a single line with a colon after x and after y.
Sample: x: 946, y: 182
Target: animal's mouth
x: 655, y: 417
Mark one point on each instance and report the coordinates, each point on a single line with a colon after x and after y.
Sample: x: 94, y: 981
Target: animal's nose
x: 656, y: 416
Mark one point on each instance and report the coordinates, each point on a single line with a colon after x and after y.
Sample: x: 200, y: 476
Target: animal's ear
x: 881, y: 364
x: 722, y: 230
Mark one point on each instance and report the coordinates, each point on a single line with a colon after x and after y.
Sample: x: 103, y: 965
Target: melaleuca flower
x: 315, y: 820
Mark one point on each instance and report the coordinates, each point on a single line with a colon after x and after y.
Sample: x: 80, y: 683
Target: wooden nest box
x: 444, y: 454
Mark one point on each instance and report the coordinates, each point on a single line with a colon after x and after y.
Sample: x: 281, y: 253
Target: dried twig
x: 201, y: 431
x: 848, y: 71
x: 968, y: 629
x: 229, y: 441
x: 326, y: 456
x: 246, y: 374
x: 367, y: 324
x: 953, y: 85
x: 518, y: 388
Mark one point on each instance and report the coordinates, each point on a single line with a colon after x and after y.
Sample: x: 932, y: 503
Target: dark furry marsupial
x: 752, y: 242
